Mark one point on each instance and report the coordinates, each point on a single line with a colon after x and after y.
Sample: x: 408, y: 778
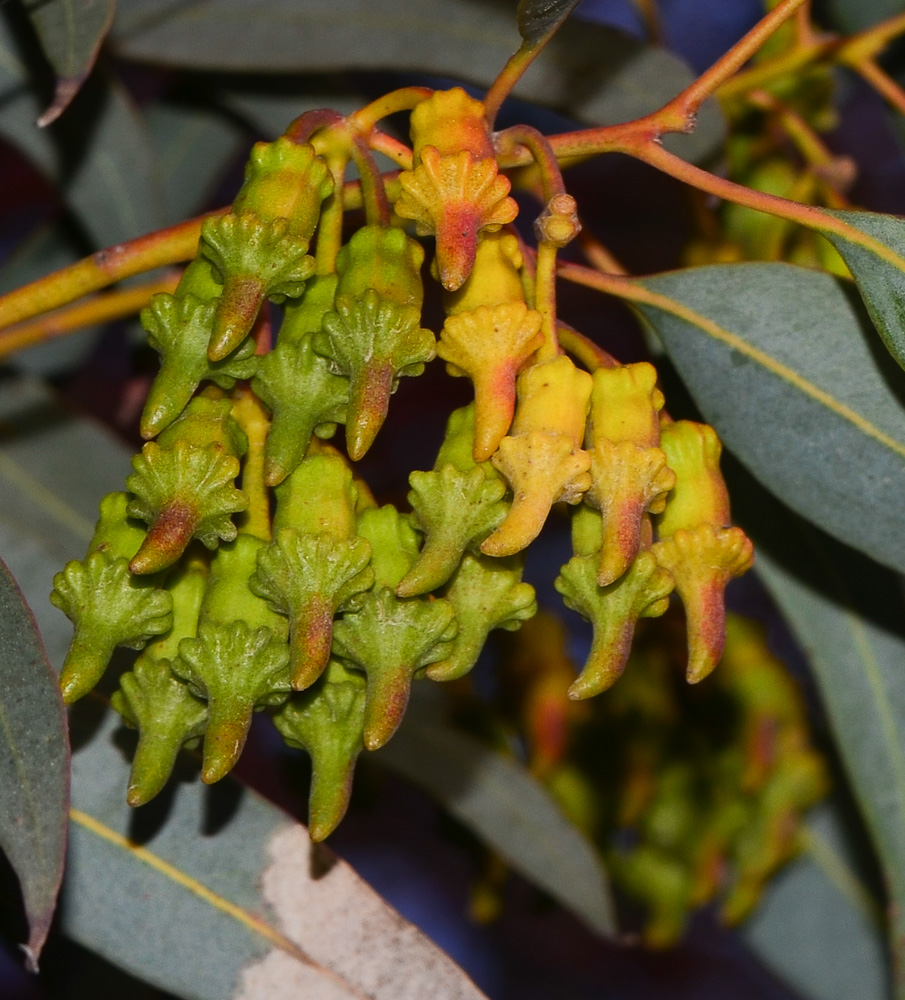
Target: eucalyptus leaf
x: 71, y: 33
x: 34, y: 764
x: 195, y: 145
x: 818, y: 926
x: 209, y: 892
x: 505, y: 805
x: 537, y: 18
x: 881, y: 283
x: 847, y: 613
x: 592, y: 73
x: 100, y: 155
x: 784, y: 364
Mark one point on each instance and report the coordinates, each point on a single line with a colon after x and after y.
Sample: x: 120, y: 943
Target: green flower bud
x: 390, y: 640
x: 156, y: 702
x: 384, y: 260
x: 486, y: 594
x: 239, y: 660
x: 116, y: 534
x: 179, y: 329
x: 109, y: 607
x: 455, y: 510
x: 285, y: 179
x: 373, y: 342
x: 183, y: 492
x: 255, y: 259
x: 394, y: 544
x: 308, y: 578
x: 304, y: 396
x: 327, y: 721
x: 320, y: 497
x: 642, y: 592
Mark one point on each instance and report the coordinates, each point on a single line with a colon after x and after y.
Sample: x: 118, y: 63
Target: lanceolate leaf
x: 782, y: 362
x: 209, y: 893
x: 506, y: 806
x: 818, y: 926
x: 110, y: 182
x: 34, y: 763
x: 619, y: 77
x: 847, y: 613
x: 881, y: 282
x: 71, y: 32
x: 536, y: 18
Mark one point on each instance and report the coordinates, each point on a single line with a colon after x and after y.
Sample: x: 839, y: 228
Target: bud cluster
x: 248, y: 560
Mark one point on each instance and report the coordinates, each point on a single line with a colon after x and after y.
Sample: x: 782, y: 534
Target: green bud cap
x: 109, y: 607
x: 303, y: 316
x: 394, y: 543
x: 256, y: 259
x: 167, y: 715
x: 587, y: 530
x: 327, y: 721
x: 207, y: 421
x: 455, y: 510
x: 288, y: 179
x: 373, y: 342
x: 183, y: 492
x: 390, y: 640
x: 198, y: 280
x: 228, y: 597
x: 458, y: 442
x: 309, y: 578
x: 179, y: 329
x: 642, y: 592
x: 320, y: 497
x: 486, y: 594
x: 116, y: 534
x: 303, y: 393
x: 236, y: 668
x: 385, y: 260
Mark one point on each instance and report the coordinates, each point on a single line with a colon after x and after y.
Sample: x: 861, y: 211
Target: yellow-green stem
x: 545, y: 299
x: 583, y: 349
x: 805, y: 215
x: 96, y: 310
x: 403, y: 99
x: 251, y: 416
x: 159, y: 249
x: 330, y: 227
x: 541, y: 152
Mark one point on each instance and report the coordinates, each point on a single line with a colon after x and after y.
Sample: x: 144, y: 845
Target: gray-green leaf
x: 782, y: 362
x: 818, y: 926
x: 592, y: 73
x: 34, y: 764
x: 847, y: 612
x: 881, y: 282
x: 71, y: 33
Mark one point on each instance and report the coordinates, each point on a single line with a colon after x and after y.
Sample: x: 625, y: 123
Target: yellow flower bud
x: 490, y: 346
x: 629, y: 473
x: 542, y: 459
x: 455, y: 197
x: 450, y: 120
x: 697, y: 544
x: 495, y: 277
